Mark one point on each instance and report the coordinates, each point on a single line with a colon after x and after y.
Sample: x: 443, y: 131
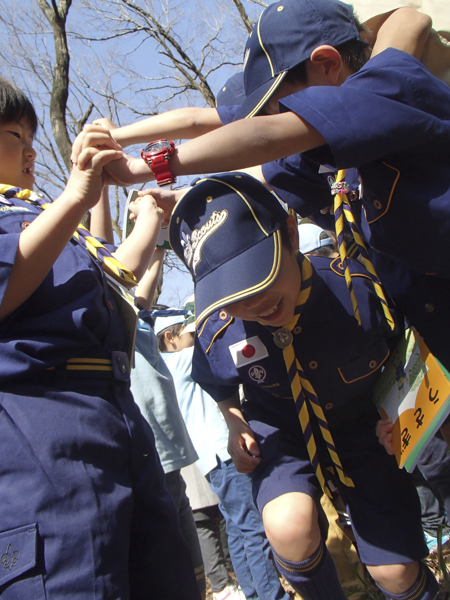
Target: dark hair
x: 323, y: 251
x: 173, y: 329
x: 15, y: 106
x: 353, y: 54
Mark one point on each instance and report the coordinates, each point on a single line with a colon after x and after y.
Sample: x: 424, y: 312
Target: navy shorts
x: 383, y: 506
x: 84, y: 507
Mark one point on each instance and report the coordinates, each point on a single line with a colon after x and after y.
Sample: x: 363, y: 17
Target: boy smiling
x: 269, y: 319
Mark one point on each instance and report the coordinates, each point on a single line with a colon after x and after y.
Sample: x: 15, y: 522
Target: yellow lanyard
x: 302, y: 390
x: 91, y: 243
x: 342, y: 208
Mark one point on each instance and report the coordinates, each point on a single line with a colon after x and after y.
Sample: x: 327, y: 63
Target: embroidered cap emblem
x: 282, y: 338
x: 257, y: 374
x: 247, y: 54
x: 10, y: 557
x: 194, y: 242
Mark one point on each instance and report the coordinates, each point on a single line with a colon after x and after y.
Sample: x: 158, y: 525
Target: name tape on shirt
x: 248, y: 351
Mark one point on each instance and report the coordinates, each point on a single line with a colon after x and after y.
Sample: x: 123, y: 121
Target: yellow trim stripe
x: 260, y: 287
x: 91, y: 361
x: 367, y: 374
x: 267, y: 95
x: 86, y: 364
x: 243, y: 198
x: 262, y: 46
x: 88, y: 368
x: 390, y: 195
x: 199, y: 332
x: 218, y: 333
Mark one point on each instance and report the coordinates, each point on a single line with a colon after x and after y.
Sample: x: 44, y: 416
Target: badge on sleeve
x: 248, y: 351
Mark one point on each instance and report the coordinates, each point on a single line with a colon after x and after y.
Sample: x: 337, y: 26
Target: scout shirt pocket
x: 366, y: 368
x: 19, y: 579
x: 378, y: 204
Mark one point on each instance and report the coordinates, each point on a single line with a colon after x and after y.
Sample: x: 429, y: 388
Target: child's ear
x: 167, y: 338
x: 327, y: 62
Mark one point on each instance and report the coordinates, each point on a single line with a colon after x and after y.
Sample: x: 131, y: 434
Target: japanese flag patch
x: 248, y: 351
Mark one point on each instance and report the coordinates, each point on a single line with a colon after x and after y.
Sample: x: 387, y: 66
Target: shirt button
x: 110, y: 304
x: 373, y: 364
x: 377, y: 204
x: 223, y: 315
x: 25, y: 224
x: 429, y: 307
x: 313, y: 365
x: 329, y: 406
x: 352, y: 196
x: 297, y: 329
x: 340, y: 266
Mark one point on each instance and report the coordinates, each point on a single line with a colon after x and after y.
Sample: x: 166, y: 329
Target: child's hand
x: 106, y: 123
x: 85, y: 184
x: 242, y: 447
x: 145, y: 207
x: 165, y: 199
x: 384, y: 433
x: 92, y: 136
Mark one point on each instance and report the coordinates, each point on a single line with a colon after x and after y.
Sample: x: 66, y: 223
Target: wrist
x: 156, y: 156
x: 75, y: 203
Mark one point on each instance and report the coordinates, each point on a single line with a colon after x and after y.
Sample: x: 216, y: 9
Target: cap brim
x: 246, y: 275
x: 190, y: 328
x: 257, y: 99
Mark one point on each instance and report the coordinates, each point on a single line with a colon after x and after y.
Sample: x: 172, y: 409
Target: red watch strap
x: 158, y: 160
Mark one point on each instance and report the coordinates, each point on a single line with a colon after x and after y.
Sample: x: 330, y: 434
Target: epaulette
x: 212, y: 327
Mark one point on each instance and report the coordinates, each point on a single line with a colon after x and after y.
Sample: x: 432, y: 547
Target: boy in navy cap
x: 283, y: 325
x: 85, y: 513
x: 387, y: 117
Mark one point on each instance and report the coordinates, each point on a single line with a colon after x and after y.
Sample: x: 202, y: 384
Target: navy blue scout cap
x: 226, y: 231
x: 232, y: 92
x: 286, y: 34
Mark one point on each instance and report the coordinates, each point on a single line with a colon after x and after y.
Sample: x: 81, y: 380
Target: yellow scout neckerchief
x: 302, y: 390
x: 92, y: 244
x: 342, y: 207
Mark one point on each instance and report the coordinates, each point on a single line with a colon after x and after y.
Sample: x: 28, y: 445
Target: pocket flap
x: 365, y: 365
x: 17, y: 552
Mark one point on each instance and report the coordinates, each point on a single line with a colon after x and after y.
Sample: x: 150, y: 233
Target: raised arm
x: 405, y: 29
x: 42, y: 242
x: 101, y: 225
x: 146, y: 288
x: 241, y: 144
x: 181, y: 123
x: 136, y: 251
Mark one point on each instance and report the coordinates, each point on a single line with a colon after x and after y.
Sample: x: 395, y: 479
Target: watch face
x: 158, y: 146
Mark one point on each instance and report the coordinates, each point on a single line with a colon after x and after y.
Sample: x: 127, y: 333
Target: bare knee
x: 396, y: 579
x: 291, y: 526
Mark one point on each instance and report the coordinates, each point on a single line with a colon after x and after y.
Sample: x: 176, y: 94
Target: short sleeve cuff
x: 8, y: 250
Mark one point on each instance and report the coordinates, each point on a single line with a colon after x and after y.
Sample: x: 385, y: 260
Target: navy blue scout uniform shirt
x: 71, y: 313
x: 84, y: 507
x: 391, y: 120
x: 303, y: 181
x: 341, y: 359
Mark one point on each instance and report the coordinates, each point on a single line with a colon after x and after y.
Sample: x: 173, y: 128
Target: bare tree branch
x: 241, y: 10
x: 56, y: 16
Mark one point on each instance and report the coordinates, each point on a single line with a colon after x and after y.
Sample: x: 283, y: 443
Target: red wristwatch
x: 157, y: 155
